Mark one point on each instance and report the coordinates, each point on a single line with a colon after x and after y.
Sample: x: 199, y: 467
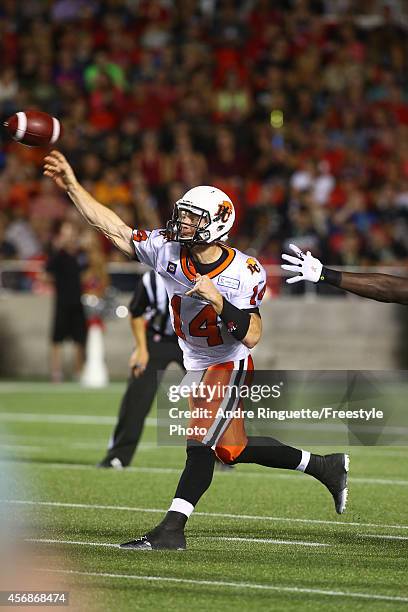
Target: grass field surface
x: 261, y: 539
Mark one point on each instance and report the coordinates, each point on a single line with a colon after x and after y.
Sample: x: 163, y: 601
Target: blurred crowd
x: 298, y: 109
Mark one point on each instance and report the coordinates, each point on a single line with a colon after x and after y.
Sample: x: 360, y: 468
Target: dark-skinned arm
x: 380, y: 287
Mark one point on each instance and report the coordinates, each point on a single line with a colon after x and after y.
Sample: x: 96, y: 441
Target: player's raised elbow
x: 121, y: 236
x: 254, y: 332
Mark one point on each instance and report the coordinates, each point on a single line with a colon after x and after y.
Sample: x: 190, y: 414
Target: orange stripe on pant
x: 225, y: 434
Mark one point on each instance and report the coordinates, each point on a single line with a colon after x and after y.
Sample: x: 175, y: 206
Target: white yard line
x: 56, y: 442
x: 20, y: 447
x: 269, y: 541
x: 362, y: 452
x: 74, y: 542
x: 104, y: 420
x: 25, y: 438
x: 380, y: 481
x: 16, y: 417
x: 249, y: 517
x: 65, y: 466
x: 74, y: 419
x: 67, y: 387
x: 235, y: 473
x: 250, y: 540
x: 383, y: 536
x: 236, y: 585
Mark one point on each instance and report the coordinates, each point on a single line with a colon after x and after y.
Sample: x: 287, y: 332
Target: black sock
x: 271, y: 453
x: 194, y: 481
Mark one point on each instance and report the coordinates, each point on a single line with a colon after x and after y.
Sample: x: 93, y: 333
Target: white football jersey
x: 203, y: 337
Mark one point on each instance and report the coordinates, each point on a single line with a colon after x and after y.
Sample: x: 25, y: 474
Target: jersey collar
x: 187, y: 264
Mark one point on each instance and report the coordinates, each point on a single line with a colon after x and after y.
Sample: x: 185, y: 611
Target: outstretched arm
x: 101, y: 217
x: 380, y: 287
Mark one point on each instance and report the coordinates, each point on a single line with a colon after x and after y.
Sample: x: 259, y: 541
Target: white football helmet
x: 215, y: 216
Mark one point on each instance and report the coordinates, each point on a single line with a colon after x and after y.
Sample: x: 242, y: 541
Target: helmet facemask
x: 179, y: 222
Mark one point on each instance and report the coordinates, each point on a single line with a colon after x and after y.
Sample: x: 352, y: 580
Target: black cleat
x: 332, y: 471
x: 158, y: 539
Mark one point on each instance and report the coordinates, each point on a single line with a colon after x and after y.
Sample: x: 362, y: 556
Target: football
x: 34, y: 128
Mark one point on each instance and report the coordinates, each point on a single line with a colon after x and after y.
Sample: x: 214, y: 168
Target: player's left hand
x: 205, y: 288
x: 138, y: 361
x: 304, y: 265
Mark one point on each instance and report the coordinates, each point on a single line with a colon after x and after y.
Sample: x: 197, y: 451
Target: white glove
x: 306, y: 266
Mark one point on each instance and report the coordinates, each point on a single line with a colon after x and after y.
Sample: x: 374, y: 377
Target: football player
x: 380, y: 287
x: 214, y: 293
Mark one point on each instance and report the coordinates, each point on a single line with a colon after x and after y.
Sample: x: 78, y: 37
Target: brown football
x: 34, y: 128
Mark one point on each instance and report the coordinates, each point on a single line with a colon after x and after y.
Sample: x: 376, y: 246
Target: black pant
x: 69, y: 323
x: 139, y: 396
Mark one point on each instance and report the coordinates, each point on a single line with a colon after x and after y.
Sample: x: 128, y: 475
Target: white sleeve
x: 147, y: 245
x: 253, y: 287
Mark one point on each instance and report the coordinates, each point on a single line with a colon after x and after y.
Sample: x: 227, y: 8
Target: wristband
x: 236, y: 320
x: 333, y: 277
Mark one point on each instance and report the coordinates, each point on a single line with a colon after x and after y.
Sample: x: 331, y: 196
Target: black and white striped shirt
x: 150, y: 299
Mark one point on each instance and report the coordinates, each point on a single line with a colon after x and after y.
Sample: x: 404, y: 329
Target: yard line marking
x: 239, y: 585
x: 39, y: 438
x: 367, y: 451
x: 49, y: 442
x: 78, y: 505
x: 228, y: 539
x: 20, y: 447
x: 357, y: 452
x: 384, y: 481
x: 340, y: 428
x: 68, y: 387
x: 75, y: 419
x: 249, y: 517
x: 269, y: 541
x: 251, y: 540
x: 83, y: 466
x: 383, y: 537
x: 82, y: 543
x: 162, y: 470
x: 80, y: 419
x: 70, y: 466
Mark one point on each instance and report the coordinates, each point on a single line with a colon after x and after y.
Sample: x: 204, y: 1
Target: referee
x: 156, y: 348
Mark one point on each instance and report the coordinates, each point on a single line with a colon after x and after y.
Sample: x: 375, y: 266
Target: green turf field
x: 260, y: 539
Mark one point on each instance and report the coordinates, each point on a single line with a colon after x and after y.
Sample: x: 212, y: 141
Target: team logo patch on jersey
x: 227, y: 281
x: 171, y: 267
x: 252, y: 265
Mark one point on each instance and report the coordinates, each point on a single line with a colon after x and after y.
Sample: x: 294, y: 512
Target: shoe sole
x: 146, y: 545
x: 344, y: 493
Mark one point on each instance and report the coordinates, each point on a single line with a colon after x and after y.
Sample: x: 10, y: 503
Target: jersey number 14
x: 204, y: 324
